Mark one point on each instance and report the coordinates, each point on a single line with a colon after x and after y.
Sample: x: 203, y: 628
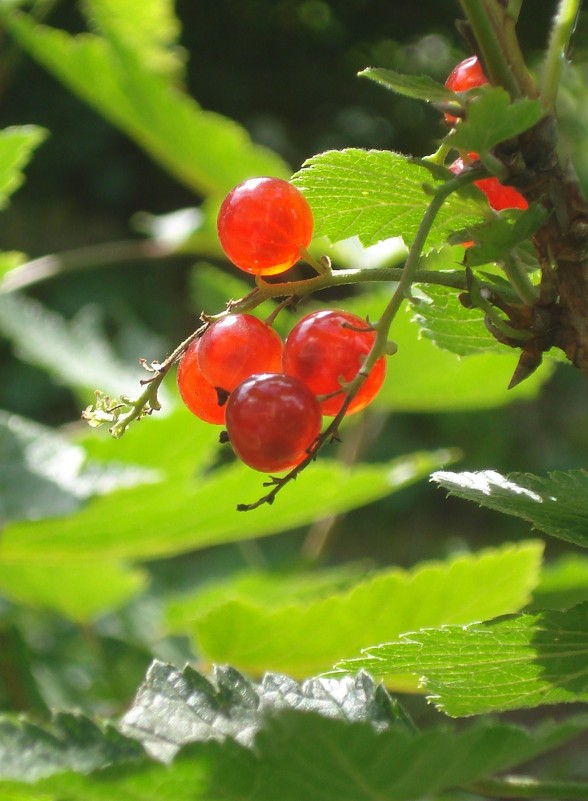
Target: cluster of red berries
x: 467, y: 75
x: 271, y: 396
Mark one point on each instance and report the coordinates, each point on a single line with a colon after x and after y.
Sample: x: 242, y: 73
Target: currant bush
x: 328, y: 347
x: 200, y: 397
x: 499, y: 196
x: 272, y: 419
x: 466, y: 75
x: 236, y: 347
x: 264, y: 224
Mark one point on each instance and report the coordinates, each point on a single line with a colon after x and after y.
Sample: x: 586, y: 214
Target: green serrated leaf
x: 76, y: 591
x: 305, y: 637
x: 556, y: 504
x: 207, y: 152
x: 450, y: 326
x: 176, y: 707
x: 492, y: 118
x: 375, y: 195
x: 423, y: 378
x: 16, y: 147
x: 329, y: 748
x: 149, y: 27
x: 419, y: 87
x: 71, y: 742
x: 522, y: 661
x: 563, y: 583
x: 187, y: 510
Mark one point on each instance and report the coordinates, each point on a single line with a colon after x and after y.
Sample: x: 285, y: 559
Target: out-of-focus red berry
x: 465, y: 75
x: 197, y: 393
x: 499, y: 196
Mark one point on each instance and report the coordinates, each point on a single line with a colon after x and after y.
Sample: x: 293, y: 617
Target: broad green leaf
x: 563, y: 583
x: 16, y: 147
x: 71, y: 742
x: 556, y: 504
x: 148, y: 27
x: 174, y: 707
x: 77, y: 591
x: 521, y: 661
x: 450, y: 326
x: 492, y: 118
x: 76, y: 352
x: 303, y: 637
x: 46, y: 475
x: 207, y: 152
x: 273, y: 589
x: 310, y: 757
x: 187, y: 509
x: 419, y: 87
x: 375, y: 195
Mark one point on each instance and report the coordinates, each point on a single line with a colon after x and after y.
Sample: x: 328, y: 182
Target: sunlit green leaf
x: 16, y: 147
x: 556, y: 504
x: 207, y: 152
x: 302, y: 637
x: 376, y: 194
x: 492, y: 118
x: 511, y: 663
x: 420, y: 87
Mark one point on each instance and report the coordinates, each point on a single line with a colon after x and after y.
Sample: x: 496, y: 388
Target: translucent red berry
x: 236, y: 347
x: 196, y: 392
x: 327, y: 347
x: 499, y: 196
x: 263, y: 224
x: 272, y: 420
x: 465, y: 75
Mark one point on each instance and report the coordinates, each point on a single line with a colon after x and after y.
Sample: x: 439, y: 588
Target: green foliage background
x: 116, y: 553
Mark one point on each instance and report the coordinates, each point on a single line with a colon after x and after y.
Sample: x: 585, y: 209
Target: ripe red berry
x: 327, y: 347
x: 263, y: 224
x: 236, y: 347
x: 499, y: 196
x: 197, y: 393
x: 465, y: 75
x: 272, y: 420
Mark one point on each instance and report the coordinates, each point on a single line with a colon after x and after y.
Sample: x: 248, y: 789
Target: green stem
x: 561, y: 32
x: 527, y: 787
x: 493, y: 27
x: 520, y: 281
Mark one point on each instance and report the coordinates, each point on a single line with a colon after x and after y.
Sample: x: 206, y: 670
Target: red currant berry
x: 465, y: 75
x: 263, y: 224
x: 272, y: 420
x: 236, y: 347
x: 499, y: 196
x: 327, y: 347
x: 197, y: 393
